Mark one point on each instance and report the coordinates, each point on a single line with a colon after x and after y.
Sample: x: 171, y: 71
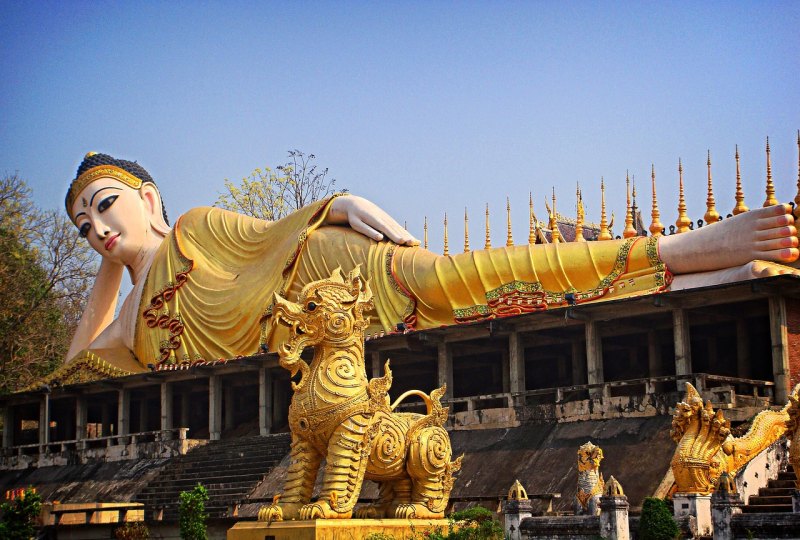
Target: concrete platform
x: 333, y: 529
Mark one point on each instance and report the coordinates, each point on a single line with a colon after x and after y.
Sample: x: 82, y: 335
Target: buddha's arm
x: 100, y: 307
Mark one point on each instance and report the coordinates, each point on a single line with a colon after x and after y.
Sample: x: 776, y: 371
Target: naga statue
x: 706, y: 448
x: 793, y: 432
x: 590, y: 479
x: 339, y: 415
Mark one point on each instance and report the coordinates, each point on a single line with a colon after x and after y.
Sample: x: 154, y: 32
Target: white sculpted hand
x: 368, y: 219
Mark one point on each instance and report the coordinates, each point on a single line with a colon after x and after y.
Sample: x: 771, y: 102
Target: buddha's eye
x: 84, y: 230
x: 106, y: 203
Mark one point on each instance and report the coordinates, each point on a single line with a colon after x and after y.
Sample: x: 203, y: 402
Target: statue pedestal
x: 334, y: 529
x: 699, y: 506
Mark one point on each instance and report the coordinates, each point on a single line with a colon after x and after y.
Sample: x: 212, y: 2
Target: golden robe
x: 209, y: 291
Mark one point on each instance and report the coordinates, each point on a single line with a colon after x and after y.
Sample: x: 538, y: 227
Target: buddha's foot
x: 763, y: 234
x: 322, y: 510
x: 416, y: 511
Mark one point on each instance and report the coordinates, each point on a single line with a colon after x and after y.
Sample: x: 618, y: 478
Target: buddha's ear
x: 152, y: 201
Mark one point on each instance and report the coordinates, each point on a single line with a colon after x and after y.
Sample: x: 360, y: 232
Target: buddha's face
x: 116, y: 219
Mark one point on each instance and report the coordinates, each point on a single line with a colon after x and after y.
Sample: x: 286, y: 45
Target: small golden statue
x: 340, y: 415
x: 590, y: 479
x: 706, y: 447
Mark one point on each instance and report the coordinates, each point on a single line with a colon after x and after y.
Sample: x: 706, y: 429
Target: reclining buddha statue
x: 203, y: 289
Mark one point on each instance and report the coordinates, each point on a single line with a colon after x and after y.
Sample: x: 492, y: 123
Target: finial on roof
x: 740, y: 207
x: 466, y: 231
x: 683, y: 221
x: 613, y: 488
x: 580, y: 216
x: 425, y: 234
x: 555, y: 234
x: 605, y: 234
x: 446, y: 250
x: 509, y: 239
x: 770, y: 200
x: 711, y: 215
x: 488, y: 243
x: 628, y: 231
x: 517, y: 492
x: 531, y: 221
x: 797, y: 197
x: 655, y: 216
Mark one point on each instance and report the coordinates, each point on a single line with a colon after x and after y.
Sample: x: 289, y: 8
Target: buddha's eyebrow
x: 79, y: 215
x: 98, y: 191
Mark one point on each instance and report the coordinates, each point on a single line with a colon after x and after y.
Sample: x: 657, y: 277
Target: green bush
x: 18, y: 517
x: 135, y: 530
x: 476, y: 523
x: 192, y: 513
x: 656, y: 522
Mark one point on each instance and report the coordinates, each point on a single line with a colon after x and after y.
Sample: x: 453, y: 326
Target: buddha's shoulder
x: 206, y: 215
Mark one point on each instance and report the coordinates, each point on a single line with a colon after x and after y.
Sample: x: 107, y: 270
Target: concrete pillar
x: 514, y: 511
x: 8, y: 426
x: 692, y: 504
x: 780, y: 347
x: 614, y: 517
x: 81, y: 416
x: 229, y: 399
x: 166, y: 406
x: 594, y: 357
x: 578, y: 363
x: 444, y: 368
x: 723, y: 507
x: 683, y: 344
x: 516, y: 363
x: 44, y: 419
x: 214, y: 407
x: 742, y: 349
x: 123, y: 411
x: 653, y: 354
x: 375, y: 364
x: 186, y: 402
x: 264, y: 401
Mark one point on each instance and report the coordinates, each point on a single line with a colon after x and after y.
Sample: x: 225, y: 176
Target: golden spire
x: 509, y: 239
x: 488, y: 243
x: 425, y: 234
x: 655, y: 216
x: 605, y: 234
x: 797, y: 197
x: 683, y: 221
x: 628, y: 231
x: 446, y: 250
x: 555, y: 234
x: 466, y: 231
x: 711, y: 215
x: 580, y: 215
x: 532, y: 220
x: 771, y: 200
x: 740, y: 207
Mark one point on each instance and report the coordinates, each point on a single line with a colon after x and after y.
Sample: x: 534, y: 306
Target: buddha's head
x: 116, y: 206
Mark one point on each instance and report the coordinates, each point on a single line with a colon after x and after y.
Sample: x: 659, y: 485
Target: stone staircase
x: 776, y: 497
x: 228, y: 469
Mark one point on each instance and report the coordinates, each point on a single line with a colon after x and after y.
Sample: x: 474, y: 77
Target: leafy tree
x: 18, y: 517
x: 656, y: 522
x: 192, y: 513
x: 272, y: 194
x: 45, y: 271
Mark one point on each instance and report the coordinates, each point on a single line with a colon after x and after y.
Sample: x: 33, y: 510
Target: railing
x: 75, y: 445
x: 724, y: 390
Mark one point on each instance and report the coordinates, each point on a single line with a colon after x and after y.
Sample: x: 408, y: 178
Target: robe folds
x: 209, y: 291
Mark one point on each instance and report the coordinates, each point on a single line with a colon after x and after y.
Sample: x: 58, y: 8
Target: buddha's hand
x: 368, y: 219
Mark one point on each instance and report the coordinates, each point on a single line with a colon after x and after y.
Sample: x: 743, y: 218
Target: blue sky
x: 422, y: 107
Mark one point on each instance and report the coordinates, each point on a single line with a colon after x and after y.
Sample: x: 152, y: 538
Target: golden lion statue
x: 590, y: 479
x: 706, y: 447
x: 339, y: 415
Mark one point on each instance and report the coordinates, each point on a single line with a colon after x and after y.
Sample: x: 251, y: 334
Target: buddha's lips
x: 111, y: 241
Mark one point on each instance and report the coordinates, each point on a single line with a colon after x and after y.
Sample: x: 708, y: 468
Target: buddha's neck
x: 141, y: 264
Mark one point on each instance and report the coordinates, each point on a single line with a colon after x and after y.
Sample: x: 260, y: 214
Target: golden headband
x: 97, y: 172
